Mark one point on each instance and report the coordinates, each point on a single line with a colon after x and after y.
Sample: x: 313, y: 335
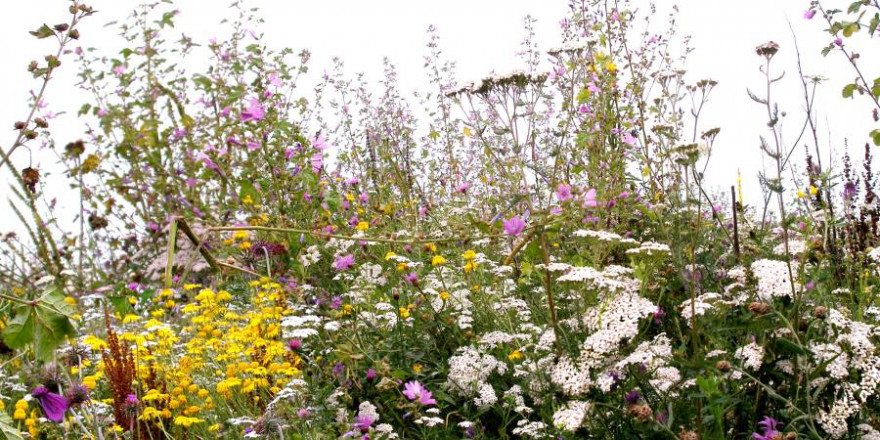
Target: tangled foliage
x: 531, y: 255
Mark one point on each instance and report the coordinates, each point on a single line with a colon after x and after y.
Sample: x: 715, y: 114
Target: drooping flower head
x: 416, y: 392
x: 53, y: 405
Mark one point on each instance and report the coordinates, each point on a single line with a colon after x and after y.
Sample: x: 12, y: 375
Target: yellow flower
x: 611, y: 67
x: 444, y: 295
x: 70, y: 300
x: 362, y: 226
x: 417, y: 368
x: 467, y: 131
x: 404, y: 312
x: 515, y: 355
x: 813, y: 190
x: 186, y: 422
x: 470, y: 266
x: 438, y: 260
x: 431, y: 247
x: 390, y: 255
x: 20, y: 410
x: 469, y: 255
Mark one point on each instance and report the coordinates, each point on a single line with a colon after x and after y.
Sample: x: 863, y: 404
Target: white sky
x: 481, y: 35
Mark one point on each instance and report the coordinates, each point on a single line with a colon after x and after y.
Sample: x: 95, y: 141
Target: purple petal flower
x: 514, y: 226
x: 415, y: 391
x: 590, y: 199
x: 255, y: 111
x: 809, y: 14
x: 53, y: 405
x: 344, y: 262
x: 563, y: 192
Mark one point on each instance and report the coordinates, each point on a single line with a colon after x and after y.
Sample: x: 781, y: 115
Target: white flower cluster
x: 605, y: 236
x: 614, y: 321
x: 300, y: 327
x: 469, y: 370
x: 571, y: 46
x: 773, y: 278
x: 572, y: 415
x: 752, y: 355
x: 795, y: 247
x: 532, y: 430
x: 650, y: 249
x: 701, y: 305
x: 311, y: 256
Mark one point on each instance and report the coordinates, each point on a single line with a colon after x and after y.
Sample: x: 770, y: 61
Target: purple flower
x: 253, y: 146
x: 371, y: 375
x: 563, y: 192
x: 514, y: 226
x: 769, y: 426
x: 255, y: 111
x: 463, y: 187
x: 838, y: 41
x: 338, y: 369
x: 632, y: 397
x: 809, y: 14
x: 294, y: 344
x: 344, y: 262
x: 317, y: 161
x: 413, y: 278
x: 319, y: 142
x: 53, y: 405
x: 78, y: 394
x: 303, y: 413
x: 849, y: 191
x: 590, y: 199
x: 415, y: 391
x: 363, y: 423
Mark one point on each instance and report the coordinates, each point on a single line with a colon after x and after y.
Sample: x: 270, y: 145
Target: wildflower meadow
x: 537, y: 254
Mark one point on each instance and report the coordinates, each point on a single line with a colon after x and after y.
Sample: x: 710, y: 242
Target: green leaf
x: 875, y: 136
x: 20, y: 330
x: 43, y: 32
x: 789, y: 347
x: 850, y: 29
x: 7, y: 428
x: 848, y: 90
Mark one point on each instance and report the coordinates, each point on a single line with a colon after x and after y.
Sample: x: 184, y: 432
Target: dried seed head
x: 722, y: 366
x: 19, y: 125
x: 688, y: 435
x: 759, y: 308
x: 30, y: 177
x: 642, y: 413
x: 74, y: 34
x: 820, y: 312
x: 42, y: 123
x: 767, y: 50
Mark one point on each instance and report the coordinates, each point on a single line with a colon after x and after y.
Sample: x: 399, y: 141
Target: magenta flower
x: 563, y: 192
x: 838, y: 41
x: 119, y: 70
x: 769, y: 426
x: 514, y: 226
x: 590, y: 199
x: 344, y: 262
x: 253, y: 146
x: 463, y: 187
x: 274, y: 79
x: 255, y: 111
x: 317, y: 162
x: 628, y: 138
x: 53, y: 405
x: 363, y: 424
x: 809, y: 14
x: 319, y: 142
x: 413, y: 278
x: 415, y: 391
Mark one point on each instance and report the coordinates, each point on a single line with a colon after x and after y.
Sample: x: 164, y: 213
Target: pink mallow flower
x: 514, y: 226
x: 54, y: 405
x: 255, y: 111
x: 590, y: 199
x: 563, y: 192
x: 416, y: 392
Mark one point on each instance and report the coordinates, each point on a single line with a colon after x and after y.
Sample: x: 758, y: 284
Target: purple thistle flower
x: 413, y: 278
x: 78, y: 394
x: 514, y: 226
x: 343, y: 263
x: 632, y: 397
x: 371, y: 375
x: 53, y: 405
x: 415, y: 391
x: 768, y: 425
x: 363, y: 423
x: 294, y: 344
x: 338, y: 369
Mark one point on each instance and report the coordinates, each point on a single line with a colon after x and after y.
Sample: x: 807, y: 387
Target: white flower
x: 773, y: 278
x: 572, y: 416
x: 752, y: 355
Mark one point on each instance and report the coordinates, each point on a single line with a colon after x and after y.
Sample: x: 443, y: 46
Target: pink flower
x: 255, y: 111
x: 119, y: 70
x: 838, y: 41
x: 590, y: 199
x: 415, y: 391
x: 514, y: 226
x: 628, y: 138
x: 319, y: 142
x: 463, y: 187
x: 274, y: 79
x: 413, y: 278
x: 809, y: 14
x: 317, y: 162
x: 253, y: 146
x: 344, y: 263
x: 563, y: 192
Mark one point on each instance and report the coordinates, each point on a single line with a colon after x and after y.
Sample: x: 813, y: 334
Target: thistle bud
x: 722, y: 366
x: 820, y: 312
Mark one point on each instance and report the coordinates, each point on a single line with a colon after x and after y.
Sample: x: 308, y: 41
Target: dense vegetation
x: 532, y: 255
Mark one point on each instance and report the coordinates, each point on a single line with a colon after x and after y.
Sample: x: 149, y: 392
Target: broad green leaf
x: 875, y: 136
x: 848, y: 90
x: 20, y: 330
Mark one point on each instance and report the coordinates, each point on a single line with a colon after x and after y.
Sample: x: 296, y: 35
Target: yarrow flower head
x: 416, y: 392
x: 514, y: 226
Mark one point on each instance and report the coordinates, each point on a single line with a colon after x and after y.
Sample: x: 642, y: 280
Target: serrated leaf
x: 43, y: 32
x: 848, y: 90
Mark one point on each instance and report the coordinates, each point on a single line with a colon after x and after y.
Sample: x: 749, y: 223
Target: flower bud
x: 20, y: 125
x: 61, y: 27
x: 74, y: 34
x: 820, y: 312
x: 722, y: 366
x: 41, y: 123
x: 33, y: 66
x: 759, y: 308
